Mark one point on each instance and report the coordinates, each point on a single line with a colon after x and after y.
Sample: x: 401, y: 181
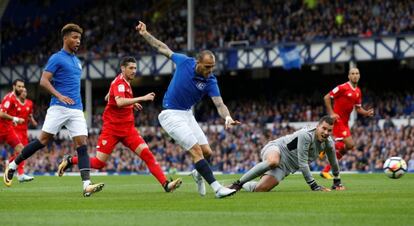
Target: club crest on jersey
x: 350, y: 94
x: 104, y: 142
x: 80, y: 65
x: 201, y: 85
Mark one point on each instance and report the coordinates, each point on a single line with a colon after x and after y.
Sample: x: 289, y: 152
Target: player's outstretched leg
x: 24, y: 178
x: 201, y: 186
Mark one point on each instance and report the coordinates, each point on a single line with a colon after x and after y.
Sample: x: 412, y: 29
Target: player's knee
x: 196, y: 152
x: 207, y: 152
x: 273, y: 163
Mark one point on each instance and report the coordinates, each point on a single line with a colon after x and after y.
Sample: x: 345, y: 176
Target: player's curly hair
x: 68, y: 28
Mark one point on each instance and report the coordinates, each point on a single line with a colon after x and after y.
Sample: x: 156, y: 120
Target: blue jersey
x: 187, y: 87
x: 67, y: 71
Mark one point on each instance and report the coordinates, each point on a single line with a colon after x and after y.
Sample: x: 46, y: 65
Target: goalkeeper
x: 290, y: 153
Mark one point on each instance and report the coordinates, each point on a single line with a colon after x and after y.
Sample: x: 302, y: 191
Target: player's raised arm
x: 45, y: 83
x: 155, y: 43
x: 224, y: 112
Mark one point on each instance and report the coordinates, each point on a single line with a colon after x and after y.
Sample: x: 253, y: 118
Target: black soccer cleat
x: 237, y: 185
x: 8, y: 176
x: 65, y: 164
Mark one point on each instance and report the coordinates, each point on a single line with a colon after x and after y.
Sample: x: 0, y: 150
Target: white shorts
x: 72, y: 119
x: 182, y: 127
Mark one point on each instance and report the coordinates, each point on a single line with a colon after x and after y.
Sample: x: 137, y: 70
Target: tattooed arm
x: 155, y: 43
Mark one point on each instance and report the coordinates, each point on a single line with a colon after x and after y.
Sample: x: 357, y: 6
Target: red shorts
x: 10, y: 138
x: 107, y: 141
x: 341, y: 129
x: 22, y: 135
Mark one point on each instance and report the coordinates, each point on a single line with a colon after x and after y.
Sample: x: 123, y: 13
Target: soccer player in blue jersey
x: 193, y: 79
x: 62, y: 78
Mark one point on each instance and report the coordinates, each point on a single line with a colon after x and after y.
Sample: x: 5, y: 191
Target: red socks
x: 95, y: 162
x: 153, y: 166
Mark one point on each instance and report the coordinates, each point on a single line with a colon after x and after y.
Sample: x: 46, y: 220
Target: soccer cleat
x: 171, y: 185
x: 65, y: 164
x: 24, y: 178
x: 92, y: 188
x: 8, y: 176
x: 250, y: 186
x: 236, y: 185
x: 201, y: 187
x: 326, y: 175
x: 224, y: 192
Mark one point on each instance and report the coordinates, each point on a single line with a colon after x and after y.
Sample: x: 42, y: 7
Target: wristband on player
x: 15, y: 119
x: 313, y: 185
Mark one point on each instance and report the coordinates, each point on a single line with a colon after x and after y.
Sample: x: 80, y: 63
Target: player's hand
x: 138, y: 107
x: 335, y: 116
x: 370, y: 112
x: 141, y: 28
x: 230, y: 122
x: 17, y: 120
x: 149, y: 97
x: 66, y: 100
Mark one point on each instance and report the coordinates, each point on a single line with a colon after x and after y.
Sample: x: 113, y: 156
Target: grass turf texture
x: 371, y: 199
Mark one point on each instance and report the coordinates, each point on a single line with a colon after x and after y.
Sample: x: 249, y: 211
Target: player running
x: 346, y: 97
x: 9, y: 106
x: 24, y: 110
x: 119, y: 126
x: 62, y: 78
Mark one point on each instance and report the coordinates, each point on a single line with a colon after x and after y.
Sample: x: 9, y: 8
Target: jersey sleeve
x: 52, y: 64
x: 336, y: 91
x: 213, y: 90
x: 304, y: 143
x: 179, y: 58
x: 6, y: 104
x: 330, y: 153
x: 359, y: 99
x: 118, y: 89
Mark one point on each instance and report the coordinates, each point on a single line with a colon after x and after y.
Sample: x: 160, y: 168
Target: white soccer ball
x: 395, y: 167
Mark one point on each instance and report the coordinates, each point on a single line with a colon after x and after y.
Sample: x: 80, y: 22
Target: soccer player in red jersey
x: 24, y: 110
x: 9, y: 106
x: 119, y: 126
x: 346, y: 97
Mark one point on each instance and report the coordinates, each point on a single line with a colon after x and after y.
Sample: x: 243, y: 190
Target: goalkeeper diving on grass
x: 290, y: 153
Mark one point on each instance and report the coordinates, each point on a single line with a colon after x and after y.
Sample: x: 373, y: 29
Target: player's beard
x: 17, y: 93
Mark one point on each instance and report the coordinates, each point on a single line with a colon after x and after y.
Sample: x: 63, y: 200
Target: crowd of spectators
x: 237, y: 150
x: 109, y: 25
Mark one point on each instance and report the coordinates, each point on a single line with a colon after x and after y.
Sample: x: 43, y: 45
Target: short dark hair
x: 17, y: 80
x: 201, y: 54
x: 68, y: 28
x: 328, y: 119
x: 126, y: 60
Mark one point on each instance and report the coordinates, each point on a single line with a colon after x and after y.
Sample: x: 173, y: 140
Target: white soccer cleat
x: 92, y: 188
x: 24, y: 178
x: 250, y: 186
x: 224, y: 192
x: 201, y: 187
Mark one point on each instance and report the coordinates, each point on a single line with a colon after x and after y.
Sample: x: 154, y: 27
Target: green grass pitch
x: 371, y: 199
